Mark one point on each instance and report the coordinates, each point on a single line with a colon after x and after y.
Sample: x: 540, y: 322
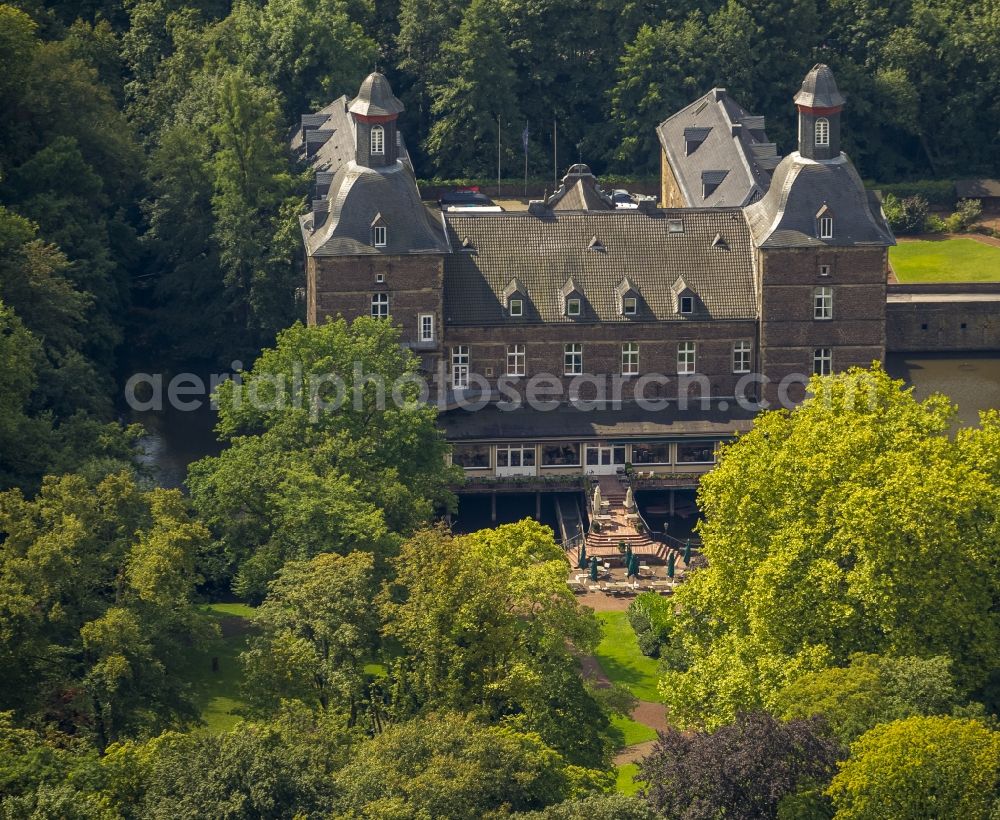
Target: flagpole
x: 498, y: 156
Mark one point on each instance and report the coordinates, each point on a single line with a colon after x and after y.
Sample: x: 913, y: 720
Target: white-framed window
x: 515, y: 360
x: 379, y: 278
x: 629, y: 306
x: 823, y: 303
x: 378, y: 140
x: 826, y: 227
x: 573, y: 359
x: 822, y: 361
x: 687, y: 304
x: 515, y: 455
x: 426, y: 321
x: 380, y: 236
x: 686, y: 361
x: 822, y: 131
x: 824, y: 270
x: 380, y: 305
x: 630, y: 359
x: 517, y: 307
x: 741, y: 357
x: 460, y: 367
x: 572, y: 307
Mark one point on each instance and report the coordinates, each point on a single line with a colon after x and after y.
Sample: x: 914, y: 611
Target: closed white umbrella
x: 597, y: 500
x: 629, y: 500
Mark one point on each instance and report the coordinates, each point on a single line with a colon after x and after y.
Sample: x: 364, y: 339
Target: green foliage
x: 449, y: 766
x: 921, y: 767
x: 908, y: 215
x: 651, y: 617
x: 487, y: 625
x: 596, y: 807
x: 819, y: 527
x: 317, y: 629
x: 621, y: 658
x: 301, y: 476
x: 873, y: 689
x: 97, y: 583
x: 940, y: 193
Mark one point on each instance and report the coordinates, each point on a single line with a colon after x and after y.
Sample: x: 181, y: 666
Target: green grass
x: 945, y: 260
x: 625, y: 784
x: 619, y: 656
x: 217, y: 694
x: 632, y: 731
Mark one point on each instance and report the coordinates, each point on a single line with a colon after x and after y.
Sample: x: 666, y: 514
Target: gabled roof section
x: 802, y: 188
x: 514, y: 287
x: 569, y: 288
x: 625, y: 287
x: 547, y: 250
x: 579, y: 192
x: 715, y: 134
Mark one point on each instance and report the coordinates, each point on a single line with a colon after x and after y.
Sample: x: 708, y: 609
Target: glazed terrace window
x: 651, y: 453
x: 696, y: 452
x: 560, y: 455
x: 516, y: 455
x: 471, y: 456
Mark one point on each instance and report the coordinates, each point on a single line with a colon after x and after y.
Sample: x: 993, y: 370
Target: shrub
x: 935, y: 224
x: 940, y: 193
x: 969, y: 210
x: 906, y: 216
x: 651, y: 617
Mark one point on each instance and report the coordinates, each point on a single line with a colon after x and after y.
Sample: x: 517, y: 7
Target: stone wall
x: 943, y: 318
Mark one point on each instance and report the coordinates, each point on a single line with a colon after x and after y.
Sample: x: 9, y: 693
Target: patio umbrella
x: 670, y: 566
x: 628, y: 553
x: 582, y: 562
x: 687, y: 552
x: 629, y: 500
x: 597, y: 500
x: 593, y: 569
x: 634, y: 566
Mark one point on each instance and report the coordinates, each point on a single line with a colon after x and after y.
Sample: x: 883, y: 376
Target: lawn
x: 632, y: 731
x: 619, y: 656
x: 217, y: 694
x: 945, y: 260
x: 625, y: 783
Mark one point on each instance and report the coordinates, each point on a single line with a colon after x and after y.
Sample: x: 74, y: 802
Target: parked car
x: 622, y: 199
x: 465, y: 199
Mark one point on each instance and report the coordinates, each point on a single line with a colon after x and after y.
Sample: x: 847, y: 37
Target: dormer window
x: 514, y: 297
x: 572, y: 299
x: 380, y: 236
x: 517, y: 307
x: 628, y: 297
x: 572, y: 307
x: 826, y: 227
x: 687, y: 304
x: 629, y: 306
x: 822, y: 131
x: 378, y: 140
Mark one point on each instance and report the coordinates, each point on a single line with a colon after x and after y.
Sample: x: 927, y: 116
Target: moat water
x: 972, y: 381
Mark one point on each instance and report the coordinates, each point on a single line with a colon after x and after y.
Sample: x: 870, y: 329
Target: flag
x: 524, y: 139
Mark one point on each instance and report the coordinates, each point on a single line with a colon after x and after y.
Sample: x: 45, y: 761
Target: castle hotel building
x: 755, y: 272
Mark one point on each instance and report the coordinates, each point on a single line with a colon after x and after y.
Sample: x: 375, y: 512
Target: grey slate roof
x: 342, y: 225
x: 579, y: 192
x: 544, y: 249
x: 819, y: 89
x: 375, y: 98
x: 568, y: 422
x: 786, y: 216
x: 723, y: 137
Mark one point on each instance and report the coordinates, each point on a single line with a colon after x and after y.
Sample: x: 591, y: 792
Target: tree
x: 851, y: 524
x: 921, y: 767
x: 303, y: 476
x: 487, y: 625
x: 873, y: 689
x: 595, y: 807
x: 96, y: 586
x: 475, y: 90
x: 318, y: 629
x: 450, y: 766
x: 281, y: 769
x: 741, y: 770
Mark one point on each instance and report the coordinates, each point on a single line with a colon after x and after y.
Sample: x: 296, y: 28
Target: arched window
x: 378, y: 140
x: 822, y: 131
